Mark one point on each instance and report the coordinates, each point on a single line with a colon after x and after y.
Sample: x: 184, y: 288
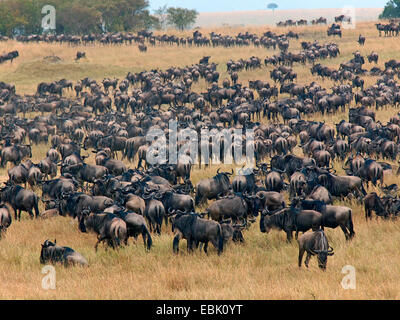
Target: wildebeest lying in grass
x: 80, y: 55
x: 315, y: 243
x: 56, y: 254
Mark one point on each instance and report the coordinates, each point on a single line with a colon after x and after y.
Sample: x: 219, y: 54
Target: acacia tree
x: 76, y: 16
x: 391, y: 10
x: 181, y: 18
x: 272, y: 6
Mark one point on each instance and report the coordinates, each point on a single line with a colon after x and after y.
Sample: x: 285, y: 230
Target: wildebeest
x: 232, y: 231
x: 195, y: 230
x: 332, y: 216
x: 136, y: 224
x: 234, y: 207
x: 314, y: 243
x: 15, y: 154
x: 213, y: 187
x: 289, y: 220
x: 372, y: 202
x: 52, y: 253
x: 20, y: 199
x: 107, y: 226
x: 5, y: 218
x: 80, y: 55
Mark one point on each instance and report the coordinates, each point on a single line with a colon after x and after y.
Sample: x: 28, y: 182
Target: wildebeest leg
x: 15, y: 213
x: 205, y: 247
x: 301, y: 253
x: 289, y: 235
x: 30, y: 214
x: 345, y: 231
x: 307, y: 259
x: 175, y: 243
x: 190, y: 244
x: 100, y: 238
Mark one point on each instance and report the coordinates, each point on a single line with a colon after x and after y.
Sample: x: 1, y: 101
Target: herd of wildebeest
x: 111, y: 118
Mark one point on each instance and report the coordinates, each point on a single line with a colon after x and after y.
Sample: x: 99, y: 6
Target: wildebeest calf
x: 65, y: 255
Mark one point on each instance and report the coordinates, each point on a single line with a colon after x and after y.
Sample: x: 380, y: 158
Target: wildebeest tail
x: 36, y: 206
x: 120, y: 232
x: 363, y: 190
x: 146, y: 235
x: 350, y: 224
x: 220, y: 240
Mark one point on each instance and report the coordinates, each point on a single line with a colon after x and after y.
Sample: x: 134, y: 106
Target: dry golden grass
x: 265, y: 267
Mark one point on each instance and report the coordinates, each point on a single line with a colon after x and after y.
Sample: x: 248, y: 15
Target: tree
x: 272, y: 6
x: 391, y: 10
x: 76, y: 16
x: 162, y: 15
x: 181, y: 18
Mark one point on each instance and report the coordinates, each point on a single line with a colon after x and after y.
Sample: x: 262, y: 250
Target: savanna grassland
x: 265, y: 267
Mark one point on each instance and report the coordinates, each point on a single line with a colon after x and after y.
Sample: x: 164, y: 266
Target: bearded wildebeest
x: 52, y: 253
x: 5, y: 218
x: 270, y: 200
x: 20, y: 200
x: 372, y: 202
x: 107, y: 226
x: 54, y: 189
x: 290, y: 163
x: 314, y: 243
x: 234, y: 207
x: 85, y: 172
x: 289, y: 220
x: 136, y: 224
x: 371, y: 171
x: 342, y: 186
x: 244, y: 181
x: 15, y: 154
x: 332, y: 216
x: 154, y: 213
x: 195, y: 230
x: 213, y: 187
x: 176, y: 201
x: 232, y: 231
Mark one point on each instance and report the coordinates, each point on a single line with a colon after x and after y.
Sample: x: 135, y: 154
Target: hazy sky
x: 240, y: 5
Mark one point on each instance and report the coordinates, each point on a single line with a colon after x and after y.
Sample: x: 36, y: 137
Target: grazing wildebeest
x: 315, y: 243
x: 52, y: 253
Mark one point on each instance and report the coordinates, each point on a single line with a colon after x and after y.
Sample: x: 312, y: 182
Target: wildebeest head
x: 83, y: 218
x: 322, y: 256
x: 45, y: 253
